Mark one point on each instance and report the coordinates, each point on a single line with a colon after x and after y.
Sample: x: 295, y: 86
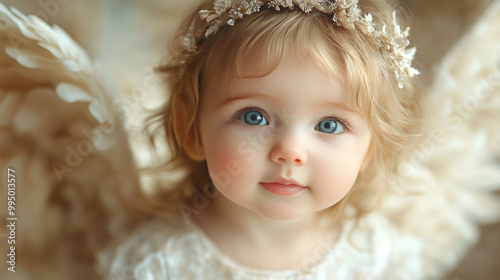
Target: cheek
x: 336, y: 174
x: 337, y: 179
x: 228, y: 163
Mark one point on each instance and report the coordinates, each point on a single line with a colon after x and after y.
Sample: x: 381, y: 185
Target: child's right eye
x: 253, y: 117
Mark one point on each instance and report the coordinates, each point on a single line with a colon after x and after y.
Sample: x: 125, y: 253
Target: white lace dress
x: 159, y: 251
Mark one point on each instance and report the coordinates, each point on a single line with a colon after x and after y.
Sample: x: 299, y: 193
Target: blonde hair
x: 348, y: 54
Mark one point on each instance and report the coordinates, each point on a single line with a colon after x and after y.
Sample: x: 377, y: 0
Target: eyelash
x: 340, y: 120
x: 239, y: 113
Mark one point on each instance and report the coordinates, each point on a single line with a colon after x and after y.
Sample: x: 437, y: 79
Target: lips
x: 283, y: 187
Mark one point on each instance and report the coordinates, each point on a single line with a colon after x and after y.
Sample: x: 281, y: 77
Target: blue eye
x: 330, y: 126
x: 253, y: 118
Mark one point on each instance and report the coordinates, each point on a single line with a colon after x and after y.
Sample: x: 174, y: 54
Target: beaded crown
x: 345, y: 13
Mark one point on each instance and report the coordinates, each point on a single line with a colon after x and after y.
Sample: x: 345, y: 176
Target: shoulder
x: 402, y: 252
x: 373, y: 248
x: 143, y: 254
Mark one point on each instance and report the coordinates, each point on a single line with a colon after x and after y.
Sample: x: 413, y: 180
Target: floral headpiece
x: 344, y: 13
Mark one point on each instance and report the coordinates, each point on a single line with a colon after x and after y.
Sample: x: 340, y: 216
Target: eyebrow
x: 265, y: 96
x: 340, y: 107
x: 245, y: 96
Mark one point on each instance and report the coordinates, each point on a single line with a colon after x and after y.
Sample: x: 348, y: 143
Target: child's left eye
x: 330, y: 126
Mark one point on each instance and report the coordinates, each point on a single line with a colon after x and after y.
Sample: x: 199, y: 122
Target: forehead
x: 278, y: 71
x: 295, y: 85
x: 264, y: 42
x: 262, y: 58
x: 290, y: 70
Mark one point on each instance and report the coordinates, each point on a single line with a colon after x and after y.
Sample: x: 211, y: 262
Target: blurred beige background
x: 128, y: 38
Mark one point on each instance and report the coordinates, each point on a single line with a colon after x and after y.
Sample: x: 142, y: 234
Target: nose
x: 290, y: 150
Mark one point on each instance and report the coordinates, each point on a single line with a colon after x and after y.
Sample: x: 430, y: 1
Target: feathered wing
x: 454, y: 170
x: 73, y: 166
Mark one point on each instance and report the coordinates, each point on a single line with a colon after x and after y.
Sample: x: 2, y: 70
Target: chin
x: 282, y: 213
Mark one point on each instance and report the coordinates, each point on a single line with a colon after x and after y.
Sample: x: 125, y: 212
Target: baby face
x: 285, y: 144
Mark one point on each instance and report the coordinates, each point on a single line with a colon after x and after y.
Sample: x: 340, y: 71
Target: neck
x: 287, y: 243
x: 255, y: 225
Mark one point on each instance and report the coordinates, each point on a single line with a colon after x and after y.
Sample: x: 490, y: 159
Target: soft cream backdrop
x: 128, y: 38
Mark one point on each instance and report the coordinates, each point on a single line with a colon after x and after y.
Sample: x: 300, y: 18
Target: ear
x: 186, y: 129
